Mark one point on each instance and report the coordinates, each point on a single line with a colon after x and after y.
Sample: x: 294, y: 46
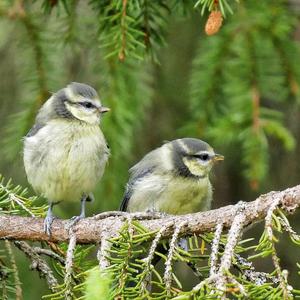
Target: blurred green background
x: 237, y: 90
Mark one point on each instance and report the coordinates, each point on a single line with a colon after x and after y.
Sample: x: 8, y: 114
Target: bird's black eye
x: 204, y: 156
x: 87, y: 104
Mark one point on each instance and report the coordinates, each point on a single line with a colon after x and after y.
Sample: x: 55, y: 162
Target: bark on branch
x: 89, y: 230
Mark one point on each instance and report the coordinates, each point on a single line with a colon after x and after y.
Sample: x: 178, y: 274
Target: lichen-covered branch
x: 39, y: 264
x: 268, y: 225
x: 88, y: 230
x: 69, y: 265
x: 168, y: 264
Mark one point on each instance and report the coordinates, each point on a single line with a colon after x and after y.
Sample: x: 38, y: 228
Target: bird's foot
x: 162, y: 214
x: 156, y: 214
x: 47, y: 224
x: 74, y: 220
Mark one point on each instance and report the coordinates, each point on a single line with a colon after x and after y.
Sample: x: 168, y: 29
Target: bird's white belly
x: 64, y: 160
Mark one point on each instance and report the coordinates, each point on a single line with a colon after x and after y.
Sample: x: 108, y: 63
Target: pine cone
x: 214, y: 22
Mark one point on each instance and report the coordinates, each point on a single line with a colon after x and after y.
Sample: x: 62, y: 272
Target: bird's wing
x: 130, y: 188
x: 126, y: 198
x: 36, y: 127
x: 149, y: 164
x: 45, y: 114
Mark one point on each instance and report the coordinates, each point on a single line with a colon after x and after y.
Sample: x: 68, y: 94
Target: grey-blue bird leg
x: 75, y: 219
x: 49, y: 219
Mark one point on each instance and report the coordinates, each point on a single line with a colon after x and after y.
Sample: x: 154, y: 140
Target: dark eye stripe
x: 204, y: 156
x: 87, y: 104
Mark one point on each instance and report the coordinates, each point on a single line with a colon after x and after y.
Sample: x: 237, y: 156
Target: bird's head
x: 193, y: 157
x: 79, y: 101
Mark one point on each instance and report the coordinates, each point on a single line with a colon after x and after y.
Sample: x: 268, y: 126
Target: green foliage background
x: 163, y: 78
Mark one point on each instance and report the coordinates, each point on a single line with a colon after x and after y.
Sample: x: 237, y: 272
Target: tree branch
x: 39, y: 264
x: 90, y: 229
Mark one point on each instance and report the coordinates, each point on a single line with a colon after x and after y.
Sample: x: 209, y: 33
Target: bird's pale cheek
x: 195, y: 167
x: 90, y: 117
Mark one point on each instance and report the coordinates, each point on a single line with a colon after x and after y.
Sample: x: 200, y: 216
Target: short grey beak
x: 218, y: 157
x: 103, y: 109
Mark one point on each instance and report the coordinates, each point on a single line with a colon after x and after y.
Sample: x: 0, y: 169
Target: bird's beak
x: 218, y: 157
x: 103, y: 109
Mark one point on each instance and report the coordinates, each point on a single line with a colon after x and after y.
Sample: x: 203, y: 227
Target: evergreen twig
x: 168, y: 263
x: 269, y: 229
x: 69, y: 264
x: 17, y: 282
x: 38, y: 264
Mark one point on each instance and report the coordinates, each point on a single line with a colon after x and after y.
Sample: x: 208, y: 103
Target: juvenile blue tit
x: 65, y: 152
x: 173, y: 179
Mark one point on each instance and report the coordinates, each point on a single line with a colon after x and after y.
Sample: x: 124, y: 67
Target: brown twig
x: 49, y: 253
x: 39, y: 264
x: 88, y: 230
x: 256, y: 108
x: 122, y: 52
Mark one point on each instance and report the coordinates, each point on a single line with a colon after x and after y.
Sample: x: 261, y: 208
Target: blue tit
x: 172, y: 179
x: 65, y: 152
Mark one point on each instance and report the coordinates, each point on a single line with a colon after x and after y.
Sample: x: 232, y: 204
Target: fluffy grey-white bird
x: 173, y: 179
x: 65, y: 152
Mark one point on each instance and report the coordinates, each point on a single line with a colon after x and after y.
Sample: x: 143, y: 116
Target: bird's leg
x: 75, y: 219
x: 49, y: 219
x: 82, y: 207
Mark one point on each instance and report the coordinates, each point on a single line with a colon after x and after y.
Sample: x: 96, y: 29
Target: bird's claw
x: 157, y: 214
x: 47, y: 224
x: 162, y: 214
x: 74, y: 220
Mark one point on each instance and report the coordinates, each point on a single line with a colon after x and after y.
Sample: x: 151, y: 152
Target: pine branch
x: 38, y: 264
x: 90, y: 229
x: 36, y: 74
x: 122, y: 52
x: 212, y: 4
x: 49, y: 253
x: 33, y: 31
x: 17, y: 282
